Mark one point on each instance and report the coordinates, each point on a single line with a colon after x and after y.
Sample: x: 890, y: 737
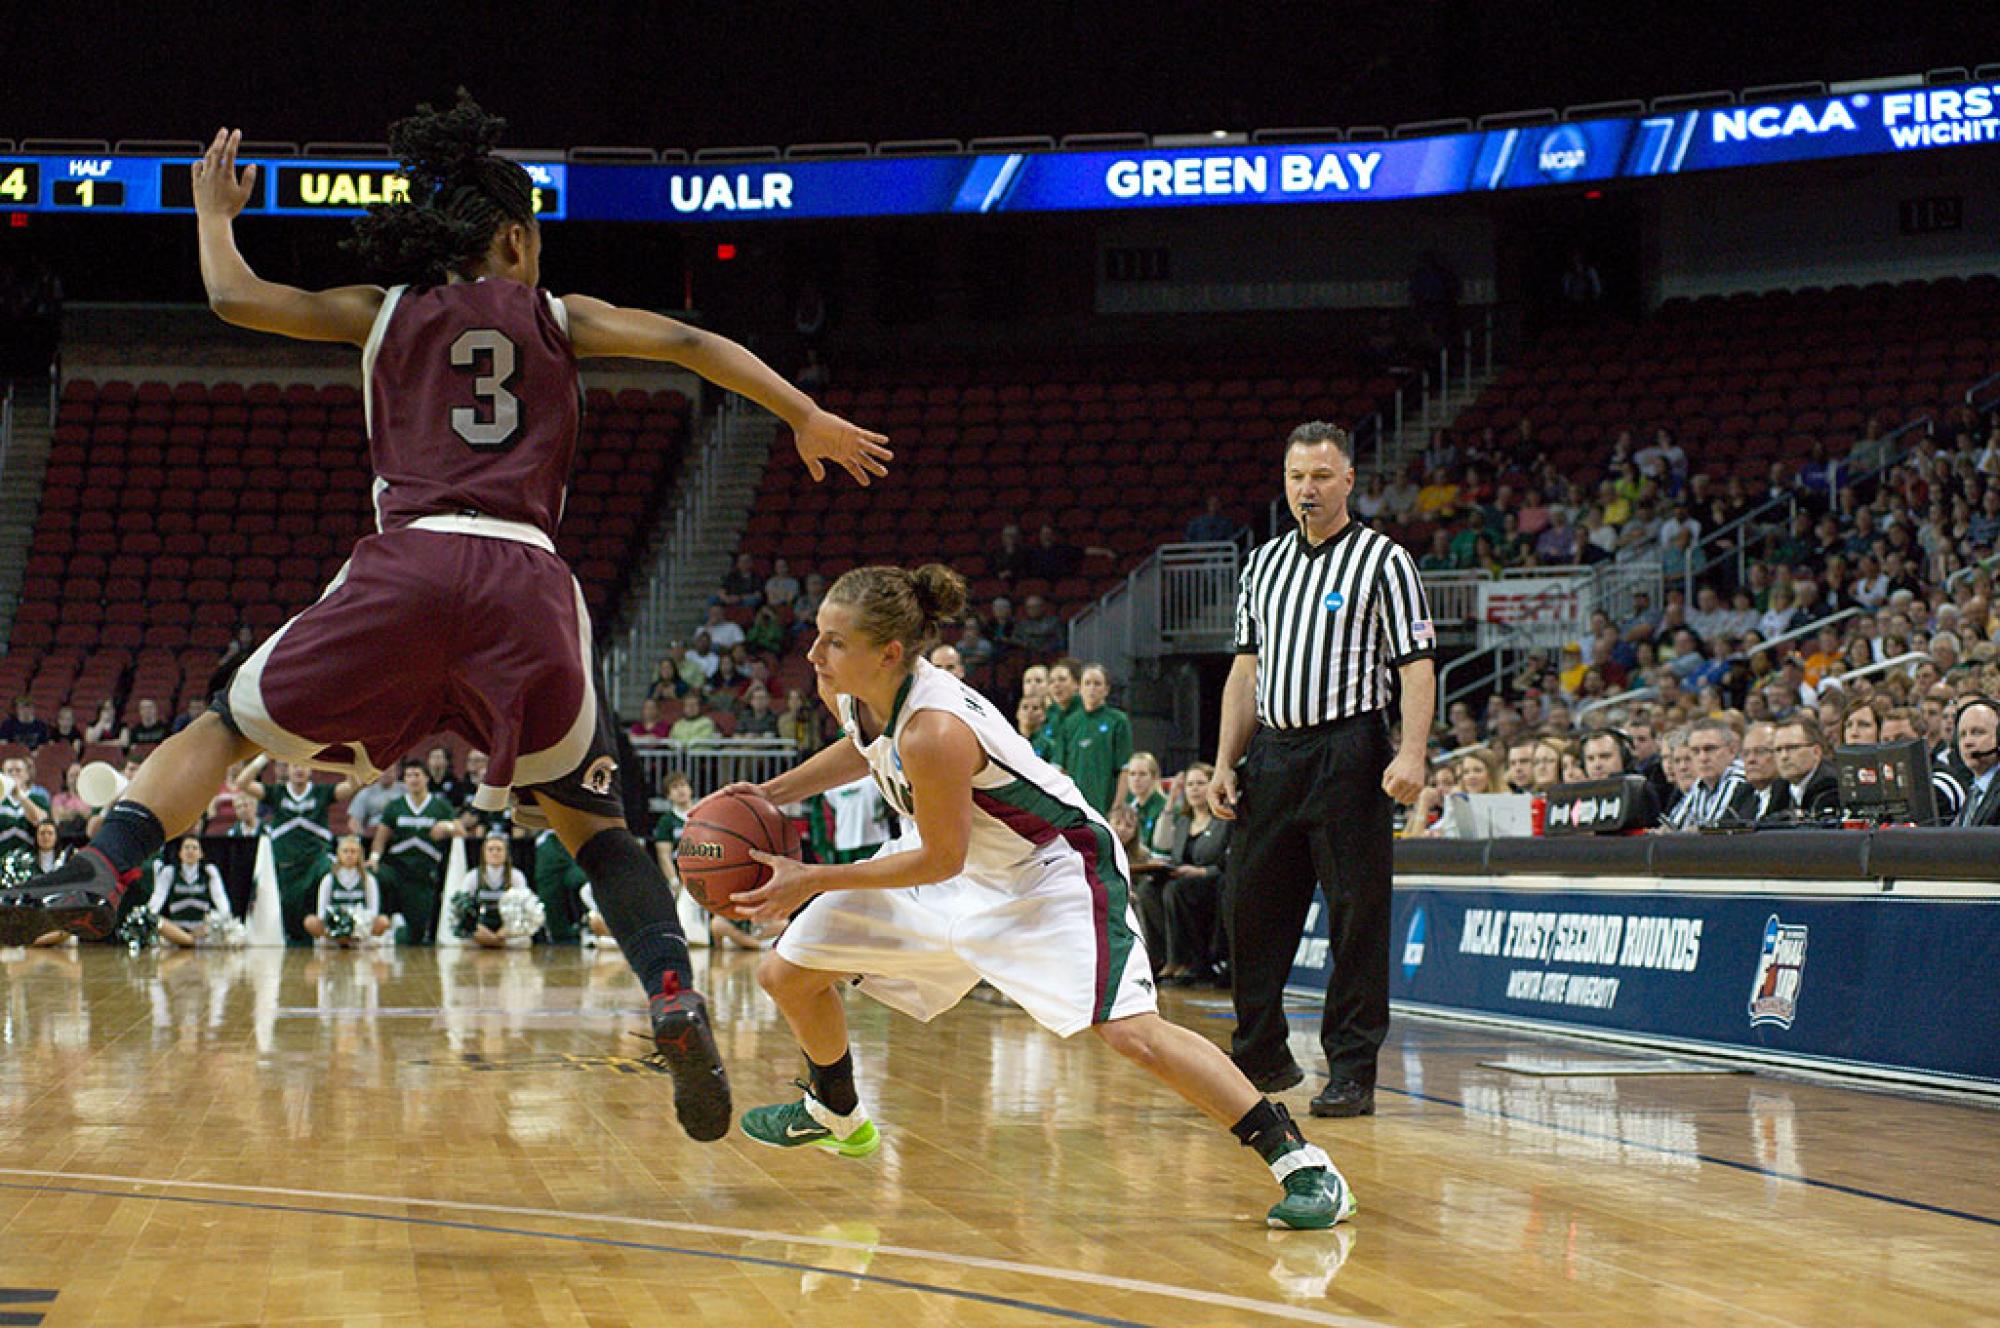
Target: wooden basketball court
x: 446, y: 1137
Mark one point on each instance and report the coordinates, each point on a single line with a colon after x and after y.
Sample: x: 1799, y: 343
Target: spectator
x: 742, y: 588
x: 196, y: 705
x: 651, y: 723
x: 1718, y: 775
x: 1215, y: 526
x: 693, y: 725
x: 1010, y: 562
x: 974, y: 649
x: 67, y: 730
x: 1557, y: 545
x: 67, y: 808
x: 766, y: 635
x: 800, y: 722
x: 1099, y: 740
x: 805, y: 608
x: 1003, y: 627
x: 678, y: 790
x: 723, y: 634
x: 241, y: 646
x: 1478, y: 771
x: 668, y: 685
x: 1521, y: 765
x: 444, y: 781
x: 1053, y: 558
x: 151, y: 728
x: 947, y: 658
x: 1582, y: 287
x: 1140, y: 790
x: 23, y: 727
x: 702, y: 655
x: 1041, y: 632
x: 365, y: 808
x: 1979, y: 747
x: 1764, y: 794
x: 1198, y: 848
x: 758, y: 719
x: 1031, y: 721
x: 780, y: 587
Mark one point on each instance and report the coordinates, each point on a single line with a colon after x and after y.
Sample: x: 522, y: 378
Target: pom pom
x: 16, y: 868
x: 464, y: 913
x: 521, y: 911
x: 226, y: 934
x: 340, y: 924
x: 138, y: 929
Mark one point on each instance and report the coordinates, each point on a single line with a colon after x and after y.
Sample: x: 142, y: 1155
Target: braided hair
x: 461, y: 194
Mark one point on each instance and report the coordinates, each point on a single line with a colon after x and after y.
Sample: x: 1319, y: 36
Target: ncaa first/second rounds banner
x: 1894, y: 985
x: 1857, y: 124
x: 1713, y: 138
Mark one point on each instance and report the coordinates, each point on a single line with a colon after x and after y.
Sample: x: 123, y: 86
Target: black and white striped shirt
x: 1328, y: 623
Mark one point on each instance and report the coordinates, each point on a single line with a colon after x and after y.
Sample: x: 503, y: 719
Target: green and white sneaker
x: 1316, y: 1194
x: 810, y: 1123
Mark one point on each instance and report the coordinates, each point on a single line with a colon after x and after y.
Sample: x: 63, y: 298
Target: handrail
x: 1972, y: 393
x: 1808, y: 630
x: 6, y: 428
x: 1647, y: 693
x: 1910, y: 658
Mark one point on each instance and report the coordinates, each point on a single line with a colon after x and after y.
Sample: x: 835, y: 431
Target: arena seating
x: 170, y: 514
x: 1115, y: 449
x: 1747, y: 379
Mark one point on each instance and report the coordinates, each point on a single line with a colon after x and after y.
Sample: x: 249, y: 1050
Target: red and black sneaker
x: 684, y: 1043
x: 81, y: 896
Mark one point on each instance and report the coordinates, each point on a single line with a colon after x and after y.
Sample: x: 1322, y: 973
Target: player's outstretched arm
x: 240, y: 296
x: 839, y: 762
x: 598, y: 328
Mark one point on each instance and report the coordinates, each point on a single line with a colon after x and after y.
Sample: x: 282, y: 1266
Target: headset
x: 1965, y: 704
x: 1627, y: 763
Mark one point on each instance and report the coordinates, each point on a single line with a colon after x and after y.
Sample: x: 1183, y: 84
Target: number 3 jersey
x: 1024, y: 810
x: 472, y: 403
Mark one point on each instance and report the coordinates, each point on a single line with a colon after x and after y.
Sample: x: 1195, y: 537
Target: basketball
x: 713, y: 857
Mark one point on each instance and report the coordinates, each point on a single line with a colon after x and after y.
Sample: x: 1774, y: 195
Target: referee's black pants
x: 1311, y: 810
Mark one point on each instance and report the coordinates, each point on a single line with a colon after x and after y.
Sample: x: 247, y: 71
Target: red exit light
x: 725, y: 252
x: 18, y: 220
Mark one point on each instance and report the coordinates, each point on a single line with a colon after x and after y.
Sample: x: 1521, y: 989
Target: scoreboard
x: 1661, y: 145
x: 286, y: 186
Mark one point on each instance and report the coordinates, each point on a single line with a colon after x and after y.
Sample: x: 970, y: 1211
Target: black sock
x: 129, y: 836
x: 638, y: 906
x: 833, y: 1084
x: 1267, y: 1127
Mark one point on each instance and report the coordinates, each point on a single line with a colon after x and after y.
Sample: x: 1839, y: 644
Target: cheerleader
x: 497, y: 876
x: 188, y: 897
x: 49, y: 854
x: 349, y: 886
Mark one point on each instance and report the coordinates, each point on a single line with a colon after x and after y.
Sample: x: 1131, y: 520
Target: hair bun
x: 940, y: 592
x: 440, y: 148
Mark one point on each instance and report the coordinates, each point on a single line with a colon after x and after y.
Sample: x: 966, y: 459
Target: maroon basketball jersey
x: 472, y: 403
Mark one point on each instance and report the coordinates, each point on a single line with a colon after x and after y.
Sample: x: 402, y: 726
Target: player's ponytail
x: 461, y: 194
x: 894, y: 604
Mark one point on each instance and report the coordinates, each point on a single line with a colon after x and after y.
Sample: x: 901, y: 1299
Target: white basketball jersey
x: 1021, y: 805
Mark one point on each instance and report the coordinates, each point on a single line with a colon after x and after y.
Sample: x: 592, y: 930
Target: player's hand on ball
x: 743, y: 788
x: 826, y: 437
x: 1222, y: 793
x: 788, y: 890
x: 1404, y: 779
x: 217, y: 190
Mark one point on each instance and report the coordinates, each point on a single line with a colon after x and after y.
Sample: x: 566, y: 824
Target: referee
x: 1323, y: 615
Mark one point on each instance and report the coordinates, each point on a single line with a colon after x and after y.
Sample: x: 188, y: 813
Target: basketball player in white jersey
x: 1008, y: 876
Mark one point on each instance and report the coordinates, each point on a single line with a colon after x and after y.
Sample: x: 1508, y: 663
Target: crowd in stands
x: 1862, y: 611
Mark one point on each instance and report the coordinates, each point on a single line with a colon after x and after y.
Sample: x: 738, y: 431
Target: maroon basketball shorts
x: 427, y: 631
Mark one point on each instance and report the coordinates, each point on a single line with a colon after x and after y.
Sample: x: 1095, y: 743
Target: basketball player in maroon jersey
x: 457, y: 614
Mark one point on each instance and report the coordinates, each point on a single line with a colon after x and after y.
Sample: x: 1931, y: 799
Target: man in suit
x: 1977, y: 735
x: 1764, y: 795
x: 1810, y: 782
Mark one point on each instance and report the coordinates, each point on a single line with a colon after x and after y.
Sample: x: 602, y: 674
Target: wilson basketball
x: 713, y: 857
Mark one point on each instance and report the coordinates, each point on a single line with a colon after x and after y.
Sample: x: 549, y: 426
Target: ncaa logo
x: 1335, y: 601
x: 1564, y: 152
x: 1781, y: 967
x: 1413, y: 946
